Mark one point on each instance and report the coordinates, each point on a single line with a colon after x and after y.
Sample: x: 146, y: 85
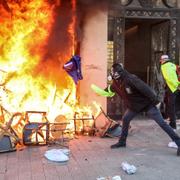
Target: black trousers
x: 170, y: 102
x: 154, y: 114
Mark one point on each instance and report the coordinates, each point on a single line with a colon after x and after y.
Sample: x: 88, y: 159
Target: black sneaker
x: 178, y: 151
x: 118, y: 145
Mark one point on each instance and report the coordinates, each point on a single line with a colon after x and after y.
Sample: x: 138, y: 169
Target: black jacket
x: 137, y: 95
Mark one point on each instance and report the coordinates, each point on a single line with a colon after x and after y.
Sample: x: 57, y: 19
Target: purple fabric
x: 73, y: 68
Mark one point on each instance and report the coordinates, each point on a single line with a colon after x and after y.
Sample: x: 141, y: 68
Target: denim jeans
x: 152, y: 113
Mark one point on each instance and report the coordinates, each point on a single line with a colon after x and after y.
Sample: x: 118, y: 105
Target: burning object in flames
x: 36, y: 39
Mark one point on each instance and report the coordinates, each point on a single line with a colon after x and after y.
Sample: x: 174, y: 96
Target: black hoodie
x: 137, y: 95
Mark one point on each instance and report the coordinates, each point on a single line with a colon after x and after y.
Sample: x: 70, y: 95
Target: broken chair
x: 84, y: 125
x: 110, y: 128
x: 35, y: 132
x: 8, y: 136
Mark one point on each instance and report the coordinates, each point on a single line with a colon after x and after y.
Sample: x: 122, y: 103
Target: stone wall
x: 94, y: 57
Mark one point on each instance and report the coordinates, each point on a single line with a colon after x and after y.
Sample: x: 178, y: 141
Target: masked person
x: 138, y: 97
x: 168, y: 70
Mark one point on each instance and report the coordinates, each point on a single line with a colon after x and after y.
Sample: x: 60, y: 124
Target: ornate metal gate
x: 159, y: 46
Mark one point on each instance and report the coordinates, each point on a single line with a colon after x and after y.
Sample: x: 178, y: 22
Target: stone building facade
x: 135, y: 33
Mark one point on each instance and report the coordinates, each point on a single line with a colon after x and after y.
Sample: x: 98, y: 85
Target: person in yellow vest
x: 168, y: 70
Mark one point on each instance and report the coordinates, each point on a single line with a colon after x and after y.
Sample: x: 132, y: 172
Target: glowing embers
x: 34, y: 43
x: 84, y: 124
x: 39, y: 131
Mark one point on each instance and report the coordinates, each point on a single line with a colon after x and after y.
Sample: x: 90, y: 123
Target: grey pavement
x: 91, y: 157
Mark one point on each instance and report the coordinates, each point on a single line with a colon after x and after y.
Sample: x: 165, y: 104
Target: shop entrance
x: 145, y: 41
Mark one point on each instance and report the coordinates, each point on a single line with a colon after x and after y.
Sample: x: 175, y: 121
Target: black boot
x: 119, y: 144
x: 178, y: 151
x: 172, y: 124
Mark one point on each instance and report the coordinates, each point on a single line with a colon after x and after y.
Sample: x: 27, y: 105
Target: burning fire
x: 32, y: 53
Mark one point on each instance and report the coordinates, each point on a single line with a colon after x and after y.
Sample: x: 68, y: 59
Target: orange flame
x: 28, y: 81
x: 72, y: 25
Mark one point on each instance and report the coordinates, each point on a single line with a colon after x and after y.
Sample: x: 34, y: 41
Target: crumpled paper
x: 128, y: 168
x: 57, y: 155
x: 109, y: 178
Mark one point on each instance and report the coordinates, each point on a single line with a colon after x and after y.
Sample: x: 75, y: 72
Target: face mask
x: 109, y: 78
x: 114, y: 75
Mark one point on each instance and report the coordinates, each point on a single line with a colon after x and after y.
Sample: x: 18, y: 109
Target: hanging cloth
x: 73, y: 68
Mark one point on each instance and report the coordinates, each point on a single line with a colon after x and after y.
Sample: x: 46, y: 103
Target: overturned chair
x: 35, y: 131
x: 110, y: 128
x: 39, y: 131
x: 8, y: 136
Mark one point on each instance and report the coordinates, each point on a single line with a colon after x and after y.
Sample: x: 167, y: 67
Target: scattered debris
x: 116, y: 178
x: 128, y: 168
x: 109, y: 178
x: 57, y: 155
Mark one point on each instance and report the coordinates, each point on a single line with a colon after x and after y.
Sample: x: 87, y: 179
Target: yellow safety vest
x: 168, y: 70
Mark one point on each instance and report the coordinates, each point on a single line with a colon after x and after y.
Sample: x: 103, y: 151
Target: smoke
x: 58, y: 47
x: 59, y: 38
x: 57, y: 50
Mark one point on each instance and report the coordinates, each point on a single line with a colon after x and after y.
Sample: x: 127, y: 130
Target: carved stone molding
x: 119, y: 39
x: 125, y: 2
x: 147, y: 13
x: 170, y: 3
x: 164, y: 14
x: 146, y: 3
x: 151, y: 3
x: 173, y: 38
